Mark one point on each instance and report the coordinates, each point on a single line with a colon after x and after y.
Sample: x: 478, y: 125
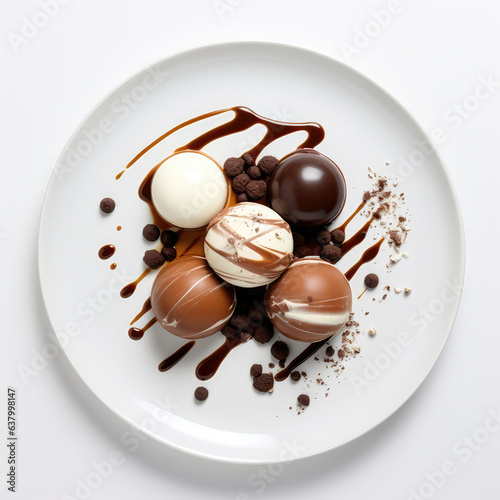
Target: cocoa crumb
x: 280, y: 350
x: 304, y: 400
x: 201, y: 393
x: 264, y: 382
x: 255, y: 370
x: 395, y: 237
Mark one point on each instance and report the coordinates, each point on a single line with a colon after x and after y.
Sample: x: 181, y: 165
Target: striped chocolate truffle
x: 311, y: 301
x: 189, y: 300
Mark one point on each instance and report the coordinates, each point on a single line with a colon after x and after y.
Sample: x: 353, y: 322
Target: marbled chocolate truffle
x: 311, y: 301
x: 189, y: 300
x: 248, y: 245
x: 307, y: 189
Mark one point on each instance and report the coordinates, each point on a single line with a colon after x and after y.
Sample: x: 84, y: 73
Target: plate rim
x: 307, y: 51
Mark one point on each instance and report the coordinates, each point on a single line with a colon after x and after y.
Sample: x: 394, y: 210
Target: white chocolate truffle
x: 189, y: 189
x: 248, y: 245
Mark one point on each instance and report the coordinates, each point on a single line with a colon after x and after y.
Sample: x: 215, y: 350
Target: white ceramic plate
x: 365, y: 127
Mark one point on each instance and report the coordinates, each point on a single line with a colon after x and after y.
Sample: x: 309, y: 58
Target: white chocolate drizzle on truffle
x: 248, y: 245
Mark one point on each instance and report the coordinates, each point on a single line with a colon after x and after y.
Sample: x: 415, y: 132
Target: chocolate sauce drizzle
x: 357, y: 238
x: 128, y: 290
x: 207, y: 368
x: 145, y: 308
x: 174, y: 358
x: 369, y: 255
x: 349, y: 219
x: 244, y: 118
x: 106, y: 252
x: 135, y: 333
x: 138, y: 333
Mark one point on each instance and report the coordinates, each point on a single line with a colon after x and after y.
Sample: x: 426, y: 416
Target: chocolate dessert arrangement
x: 250, y: 247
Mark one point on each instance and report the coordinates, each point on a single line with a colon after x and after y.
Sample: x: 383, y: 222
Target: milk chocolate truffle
x: 248, y: 245
x: 311, y: 301
x: 307, y: 189
x: 189, y: 300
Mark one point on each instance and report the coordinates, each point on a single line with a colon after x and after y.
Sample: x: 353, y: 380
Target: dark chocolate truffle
x: 307, y: 189
x: 295, y: 376
x: 242, y: 198
x: 107, y: 205
x: 189, y: 300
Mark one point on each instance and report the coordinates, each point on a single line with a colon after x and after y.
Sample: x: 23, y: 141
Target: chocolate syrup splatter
x: 128, y: 290
x: 106, y: 252
x: 138, y: 333
x: 145, y: 308
x: 207, y: 368
x: 174, y: 358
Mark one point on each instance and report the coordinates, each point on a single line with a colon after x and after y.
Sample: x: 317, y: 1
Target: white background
x: 431, y: 56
